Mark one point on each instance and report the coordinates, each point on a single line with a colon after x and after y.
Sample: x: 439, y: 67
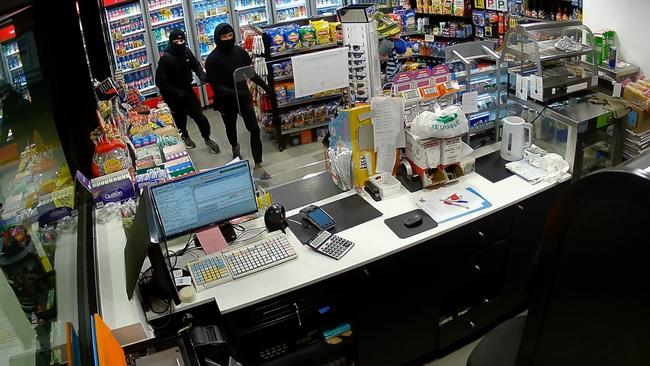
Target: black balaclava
x: 221, y: 29
x: 175, y: 34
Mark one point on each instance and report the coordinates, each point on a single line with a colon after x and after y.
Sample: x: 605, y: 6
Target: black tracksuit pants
x: 229, y: 116
x: 189, y: 106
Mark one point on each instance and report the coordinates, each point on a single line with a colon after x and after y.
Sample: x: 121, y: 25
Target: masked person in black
x: 174, y: 79
x: 220, y: 66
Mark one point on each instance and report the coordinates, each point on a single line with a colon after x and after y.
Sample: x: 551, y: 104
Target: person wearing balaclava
x: 220, y: 66
x: 174, y: 79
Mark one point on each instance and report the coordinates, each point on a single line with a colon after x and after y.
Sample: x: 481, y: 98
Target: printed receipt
x: 388, y: 130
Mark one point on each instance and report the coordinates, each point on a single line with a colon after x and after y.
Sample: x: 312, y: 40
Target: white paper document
x: 321, y: 71
x: 448, y: 203
x: 388, y: 130
x: 522, y: 87
x: 470, y: 102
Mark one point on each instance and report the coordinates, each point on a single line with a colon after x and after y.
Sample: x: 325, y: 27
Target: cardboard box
x: 424, y: 153
x: 305, y: 137
x: 638, y: 120
x: 451, y: 151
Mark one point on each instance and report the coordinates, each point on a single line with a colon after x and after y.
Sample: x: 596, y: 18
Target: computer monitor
x: 145, y: 239
x: 203, y: 199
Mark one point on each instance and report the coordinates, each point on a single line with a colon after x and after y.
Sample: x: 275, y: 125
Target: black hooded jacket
x: 220, y: 66
x: 174, y: 72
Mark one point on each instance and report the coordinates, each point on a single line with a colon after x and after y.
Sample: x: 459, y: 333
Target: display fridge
x: 289, y: 10
x: 130, y: 44
x: 325, y: 7
x: 253, y: 12
x: 206, y: 15
x: 11, y: 62
x: 163, y: 17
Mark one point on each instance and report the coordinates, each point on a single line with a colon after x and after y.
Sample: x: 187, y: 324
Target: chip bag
x: 291, y: 36
x: 307, y: 35
x: 322, y: 28
x: 276, y: 39
x: 336, y: 32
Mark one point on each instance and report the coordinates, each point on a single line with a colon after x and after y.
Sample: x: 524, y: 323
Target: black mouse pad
x: 305, y: 191
x: 347, y: 213
x: 397, y: 224
x: 492, y: 167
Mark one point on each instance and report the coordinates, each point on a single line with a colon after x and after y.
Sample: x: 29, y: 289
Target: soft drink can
x: 612, y: 57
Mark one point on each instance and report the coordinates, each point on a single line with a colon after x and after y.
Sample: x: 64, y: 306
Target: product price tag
x: 429, y: 38
x: 617, y: 90
x: 522, y: 87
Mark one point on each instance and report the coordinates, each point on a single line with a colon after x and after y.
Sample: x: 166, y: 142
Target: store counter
x: 373, y: 242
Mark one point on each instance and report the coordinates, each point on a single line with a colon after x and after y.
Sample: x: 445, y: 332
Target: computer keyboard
x: 259, y: 255
x: 209, y: 271
x: 240, y: 261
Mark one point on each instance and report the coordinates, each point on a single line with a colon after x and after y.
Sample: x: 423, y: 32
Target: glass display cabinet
x: 558, y: 58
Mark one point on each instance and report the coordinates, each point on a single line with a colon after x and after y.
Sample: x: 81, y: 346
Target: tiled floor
x: 456, y: 358
x: 288, y: 165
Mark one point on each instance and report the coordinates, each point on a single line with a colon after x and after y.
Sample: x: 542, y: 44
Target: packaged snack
x: 478, y: 17
x: 278, y: 69
x: 322, y: 28
x: 447, y: 7
x: 276, y: 39
x: 281, y: 92
x: 333, y: 33
x: 408, y: 18
x: 291, y: 36
x: 307, y: 35
x: 290, y: 91
x: 459, y: 8
x: 308, y: 115
x: 288, y: 68
x: 436, y: 7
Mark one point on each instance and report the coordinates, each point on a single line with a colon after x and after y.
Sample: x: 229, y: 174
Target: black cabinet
x: 428, y: 298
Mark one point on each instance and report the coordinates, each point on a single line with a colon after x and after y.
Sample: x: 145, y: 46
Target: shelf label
x: 470, y: 102
x: 429, y: 38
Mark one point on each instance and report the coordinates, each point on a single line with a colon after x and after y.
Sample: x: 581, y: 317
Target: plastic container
x: 387, y: 184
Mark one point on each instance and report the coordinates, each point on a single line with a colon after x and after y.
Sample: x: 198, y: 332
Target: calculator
x: 330, y: 244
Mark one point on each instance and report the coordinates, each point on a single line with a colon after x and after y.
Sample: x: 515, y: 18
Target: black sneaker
x: 213, y: 146
x: 188, y: 142
x: 236, y: 152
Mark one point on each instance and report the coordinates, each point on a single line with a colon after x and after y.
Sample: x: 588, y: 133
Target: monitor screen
x: 206, y: 198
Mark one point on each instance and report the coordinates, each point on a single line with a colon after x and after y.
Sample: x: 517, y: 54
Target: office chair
x: 590, y: 285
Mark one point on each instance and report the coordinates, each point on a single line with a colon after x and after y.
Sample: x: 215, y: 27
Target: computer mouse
x: 413, y: 221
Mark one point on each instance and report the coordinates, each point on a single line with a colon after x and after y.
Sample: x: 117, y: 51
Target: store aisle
x: 291, y: 164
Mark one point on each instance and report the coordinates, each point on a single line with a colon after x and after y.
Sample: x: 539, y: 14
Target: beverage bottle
x: 565, y: 16
x: 559, y: 14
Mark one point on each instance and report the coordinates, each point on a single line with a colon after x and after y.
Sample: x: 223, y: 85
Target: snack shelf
x: 300, y: 102
x: 307, y: 127
x: 283, y: 78
x: 304, y: 50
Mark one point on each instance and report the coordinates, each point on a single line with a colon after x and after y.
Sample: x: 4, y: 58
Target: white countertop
x: 373, y: 240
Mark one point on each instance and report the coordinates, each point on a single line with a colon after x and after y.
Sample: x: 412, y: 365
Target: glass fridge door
x: 289, y: 10
x: 130, y: 48
x: 254, y: 12
x: 207, y: 15
x: 14, y: 66
x: 165, y: 16
x: 327, y: 7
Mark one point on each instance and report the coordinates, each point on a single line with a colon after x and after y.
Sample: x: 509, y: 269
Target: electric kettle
x: 517, y: 135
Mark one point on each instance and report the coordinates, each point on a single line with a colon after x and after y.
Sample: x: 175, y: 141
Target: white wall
x: 630, y: 19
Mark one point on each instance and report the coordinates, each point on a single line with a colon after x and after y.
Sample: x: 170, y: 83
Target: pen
x: 454, y: 204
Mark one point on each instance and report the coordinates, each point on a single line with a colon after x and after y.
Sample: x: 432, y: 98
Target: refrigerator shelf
x: 122, y: 17
x: 291, y: 5
x: 179, y: 3
x: 130, y: 34
x: 12, y: 54
x: 126, y: 52
x: 250, y: 7
x: 327, y: 6
x: 147, y: 89
x: 16, y: 68
x: 203, y: 16
x: 291, y: 19
x: 168, y: 21
x: 143, y: 66
x: 255, y: 22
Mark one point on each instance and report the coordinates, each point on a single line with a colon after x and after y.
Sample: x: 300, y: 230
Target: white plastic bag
x: 447, y: 123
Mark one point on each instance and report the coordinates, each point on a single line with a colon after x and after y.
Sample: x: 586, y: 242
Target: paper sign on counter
x: 388, y: 130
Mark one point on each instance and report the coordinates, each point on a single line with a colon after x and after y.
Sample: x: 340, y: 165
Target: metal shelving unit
x: 492, y: 99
